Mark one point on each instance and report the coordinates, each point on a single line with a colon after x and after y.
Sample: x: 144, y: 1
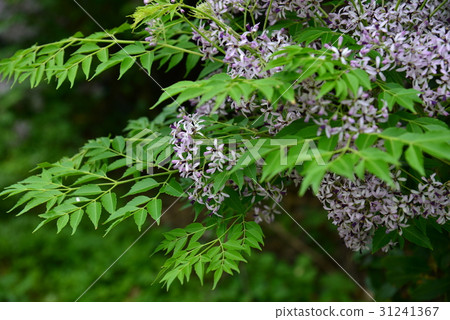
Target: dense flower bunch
x: 409, y: 37
x: 200, y: 164
x: 245, y: 55
x: 359, y: 207
x: 186, y: 138
x: 412, y: 37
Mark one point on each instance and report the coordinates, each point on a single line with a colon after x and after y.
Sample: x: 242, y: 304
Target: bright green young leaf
x: 154, y: 208
x: 62, y: 222
x: 142, y: 186
x: 75, y: 219
x: 109, y: 202
x: 415, y: 159
x: 139, y: 217
x: 173, y: 188
x: 94, y: 211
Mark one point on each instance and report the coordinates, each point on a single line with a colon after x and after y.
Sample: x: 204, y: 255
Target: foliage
x: 53, y: 268
x: 366, y: 122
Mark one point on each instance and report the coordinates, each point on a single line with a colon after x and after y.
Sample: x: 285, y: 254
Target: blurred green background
x: 45, y: 124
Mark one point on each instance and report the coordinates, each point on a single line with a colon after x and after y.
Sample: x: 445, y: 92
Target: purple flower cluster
x: 272, y: 195
x: 220, y: 8
x: 245, y: 55
x: 152, y: 27
x: 187, y: 139
x: 198, y: 165
x: 409, y: 37
x: 273, y: 10
x: 359, y: 115
x: 362, y: 117
x: 279, y: 9
x: 186, y: 147
x: 405, y: 37
x: 359, y: 207
x: 431, y: 199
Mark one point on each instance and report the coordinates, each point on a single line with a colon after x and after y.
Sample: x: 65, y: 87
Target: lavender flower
x: 360, y: 207
x: 406, y: 38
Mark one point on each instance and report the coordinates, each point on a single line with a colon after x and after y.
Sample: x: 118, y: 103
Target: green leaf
x: 394, y: 148
x: 200, y: 270
x: 191, y: 62
x: 365, y: 141
x: 250, y: 171
x: 142, y: 186
x: 119, y: 143
x: 88, y: 190
x: 139, y: 217
x: 234, y: 255
x: 61, y: 78
x: 125, y: 65
x: 352, y: 82
x: 406, y: 98
x: 220, y: 180
x: 379, y: 168
x: 439, y: 150
x: 255, y: 231
x: 147, y: 61
x: 173, y: 188
x: 414, y: 158
x: 133, y: 49
x: 380, y: 239
x: 35, y: 201
x: 210, y: 66
x: 71, y: 74
x: 123, y: 213
x: 154, y: 208
x: 86, y: 66
x: 415, y: 236
x: 109, y: 202
x: 137, y: 201
x: 238, y: 178
x: 377, y: 154
x: 48, y: 49
x: 232, y: 245
x: 94, y: 211
x: 106, y: 65
x: 87, y: 48
x: 344, y: 165
x: 62, y: 222
x: 75, y: 219
x: 103, y: 55
x: 176, y: 59
x: 325, y: 88
x: 313, y: 177
x: 59, y: 58
x: 217, y: 276
x: 253, y: 243
x: 363, y: 78
x: 390, y: 100
x: 360, y: 169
